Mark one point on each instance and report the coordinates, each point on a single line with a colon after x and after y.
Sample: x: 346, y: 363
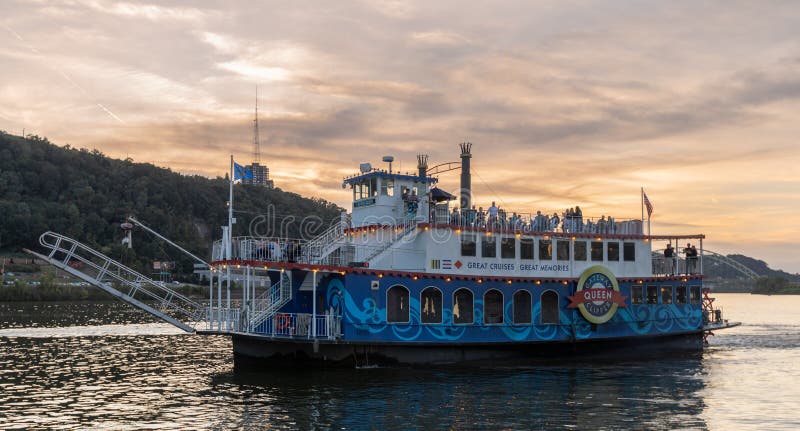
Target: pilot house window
x: 397, y: 305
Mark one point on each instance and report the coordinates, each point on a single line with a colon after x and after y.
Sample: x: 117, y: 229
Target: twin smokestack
x: 466, y: 178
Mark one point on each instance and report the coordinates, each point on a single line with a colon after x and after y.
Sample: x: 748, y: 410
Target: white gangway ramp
x: 120, y: 281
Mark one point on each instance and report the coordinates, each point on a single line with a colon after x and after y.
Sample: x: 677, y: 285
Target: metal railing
x: 120, y: 281
x: 224, y: 319
x: 299, y: 325
x: 527, y: 222
x: 397, y: 235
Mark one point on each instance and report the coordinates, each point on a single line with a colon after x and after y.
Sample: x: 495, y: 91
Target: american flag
x: 647, y: 204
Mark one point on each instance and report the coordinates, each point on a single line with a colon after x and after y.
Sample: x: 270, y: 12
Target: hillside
x: 86, y: 195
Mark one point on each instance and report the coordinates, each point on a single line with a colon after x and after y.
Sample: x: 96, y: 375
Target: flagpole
x: 230, y: 247
x: 641, y: 195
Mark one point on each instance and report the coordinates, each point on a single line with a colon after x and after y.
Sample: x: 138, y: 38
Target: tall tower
x: 260, y: 172
x: 256, y: 143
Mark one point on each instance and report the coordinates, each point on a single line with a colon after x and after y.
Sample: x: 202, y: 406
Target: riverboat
x: 405, y: 278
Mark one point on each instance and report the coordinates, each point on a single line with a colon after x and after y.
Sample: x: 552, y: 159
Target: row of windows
x: 431, y: 312
x: 665, y: 295
x: 527, y: 246
x: 398, y: 310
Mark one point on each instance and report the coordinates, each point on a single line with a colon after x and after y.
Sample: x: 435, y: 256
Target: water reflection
x: 126, y: 374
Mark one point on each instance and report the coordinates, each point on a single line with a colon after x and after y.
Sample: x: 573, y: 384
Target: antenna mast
x: 256, y: 143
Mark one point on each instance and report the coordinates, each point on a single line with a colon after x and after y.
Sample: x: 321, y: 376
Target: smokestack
x: 422, y: 165
x: 466, y: 178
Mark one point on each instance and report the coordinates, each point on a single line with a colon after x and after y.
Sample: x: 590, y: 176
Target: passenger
x: 493, y: 210
x: 481, y: 222
x: 602, y: 225
x: 454, y: 216
x: 578, y: 218
x: 554, y: 221
x: 691, y: 258
x: 669, y: 259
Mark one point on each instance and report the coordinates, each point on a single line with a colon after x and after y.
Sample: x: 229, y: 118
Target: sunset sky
x: 566, y: 102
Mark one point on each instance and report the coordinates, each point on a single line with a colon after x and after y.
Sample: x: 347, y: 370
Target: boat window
x: 366, y: 189
x: 508, y: 247
x: 580, y: 250
x: 468, y: 246
x: 397, y: 305
x: 597, y: 250
x: 489, y: 246
x: 431, y: 302
x: 629, y: 251
x: 666, y: 294
x: 545, y: 249
x: 550, y: 312
x: 652, y: 295
x: 526, y: 248
x: 522, y: 307
x: 462, y: 307
x: 387, y: 187
x: 493, y: 307
x: 636, y: 295
x: 694, y: 295
x: 612, y: 248
x: 562, y: 250
x: 680, y: 295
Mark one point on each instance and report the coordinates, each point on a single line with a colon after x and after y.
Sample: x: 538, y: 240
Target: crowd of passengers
x: 495, y: 217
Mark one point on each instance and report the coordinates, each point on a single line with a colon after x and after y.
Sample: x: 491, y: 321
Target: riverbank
x: 20, y: 292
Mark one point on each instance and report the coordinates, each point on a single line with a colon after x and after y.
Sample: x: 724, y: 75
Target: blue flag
x: 241, y: 172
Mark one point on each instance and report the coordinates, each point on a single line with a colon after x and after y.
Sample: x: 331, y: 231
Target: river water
x: 109, y: 366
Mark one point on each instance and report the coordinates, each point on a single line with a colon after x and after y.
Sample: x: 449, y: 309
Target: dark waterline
x: 107, y: 366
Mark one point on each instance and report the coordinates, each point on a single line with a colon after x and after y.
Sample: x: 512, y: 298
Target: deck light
x: 426, y: 228
x: 546, y: 237
x: 573, y: 237
x: 480, y: 281
x: 564, y: 282
x: 380, y: 275
x: 518, y: 235
x: 447, y: 279
x: 538, y: 282
x: 598, y: 239
x: 415, y: 277
x: 508, y: 281
x: 341, y: 272
x: 238, y: 266
x: 684, y: 279
x: 458, y: 231
x: 489, y: 233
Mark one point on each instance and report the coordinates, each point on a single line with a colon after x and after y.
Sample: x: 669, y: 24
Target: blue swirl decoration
x: 514, y: 332
x: 637, y: 317
x: 412, y: 330
x: 444, y: 331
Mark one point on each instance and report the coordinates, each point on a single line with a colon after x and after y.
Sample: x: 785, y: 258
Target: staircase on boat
x: 97, y: 269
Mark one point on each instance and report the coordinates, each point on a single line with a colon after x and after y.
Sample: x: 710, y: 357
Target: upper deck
x: 400, y: 223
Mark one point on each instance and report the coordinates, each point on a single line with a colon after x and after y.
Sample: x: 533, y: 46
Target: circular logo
x: 597, y: 295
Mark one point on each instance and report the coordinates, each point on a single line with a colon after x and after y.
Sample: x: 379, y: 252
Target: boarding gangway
x: 120, y: 281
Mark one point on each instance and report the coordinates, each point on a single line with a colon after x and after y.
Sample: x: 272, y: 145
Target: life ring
x: 284, y: 320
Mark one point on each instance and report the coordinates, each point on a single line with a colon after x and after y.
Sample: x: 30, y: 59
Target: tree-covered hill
x: 86, y: 195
